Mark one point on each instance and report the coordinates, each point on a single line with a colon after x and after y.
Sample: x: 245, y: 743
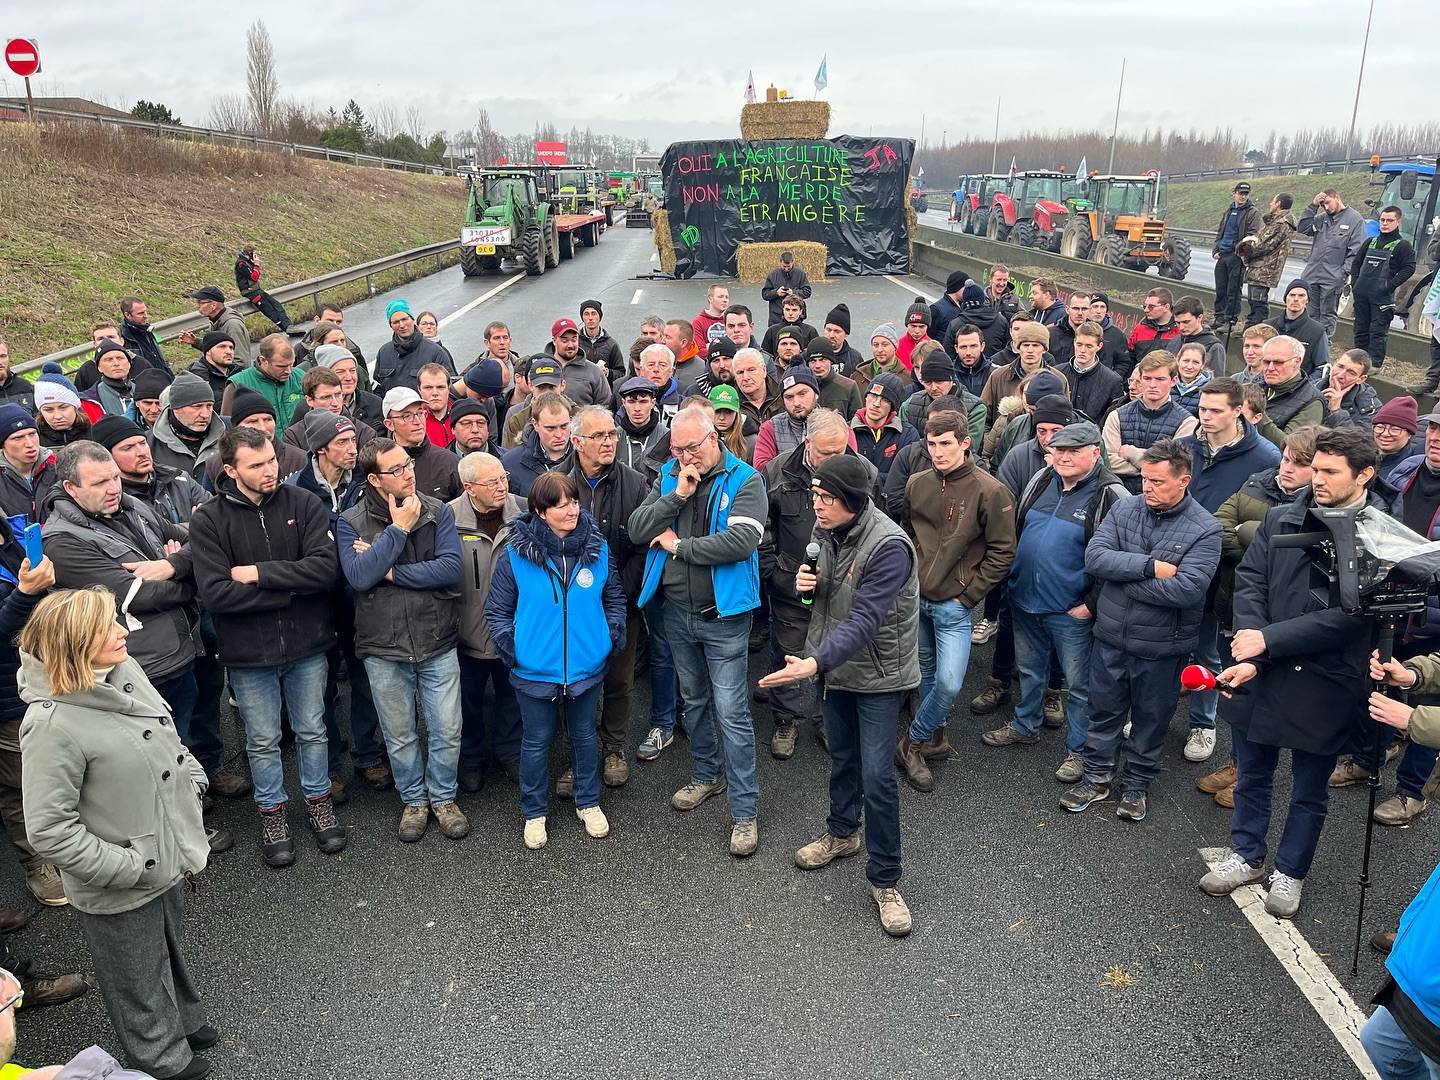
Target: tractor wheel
x: 489, y: 264
x: 552, y: 245
x: 1075, y: 241
x: 996, y: 229
x: 534, y: 253
x: 1051, y: 242
x: 609, y: 216
x: 1176, y: 263
x: 1025, y: 233
x: 955, y: 210
x: 979, y: 222
x: 470, y: 263
x: 1110, y: 251
x: 587, y: 235
x: 567, y: 246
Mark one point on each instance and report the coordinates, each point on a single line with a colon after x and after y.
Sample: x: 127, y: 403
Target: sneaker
x: 565, y: 786
x: 275, y: 844
x: 1219, y: 780
x: 1349, y: 772
x: 339, y: 793
x: 696, y: 792
x: 744, y: 838
x: 1133, y: 806
x: 1053, y: 711
x: 1233, y: 872
x: 1071, y: 770
x: 56, y: 991
x: 826, y: 850
x: 1399, y: 810
x: 1382, y: 941
x: 1008, y: 736
x: 203, y: 1037
x: 535, y: 835
x: 219, y: 838
x: 414, y: 820
x: 230, y: 785
x: 471, y: 780
x: 938, y: 747
x: 983, y: 631
x: 1283, y: 899
x: 1083, y: 794
x: 1226, y: 797
x: 917, y: 773
x: 894, y: 912
x: 377, y: 777
x: 329, y: 833
x: 1200, y: 745
x: 615, y: 771
x: 597, y: 826
x: 453, y: 822
x: 656, y: 740
x: 991, y: 698
x: 782, y: 743
x: 45, y: 885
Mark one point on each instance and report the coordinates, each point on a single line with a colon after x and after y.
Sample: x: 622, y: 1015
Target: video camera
x: 1365, y: 562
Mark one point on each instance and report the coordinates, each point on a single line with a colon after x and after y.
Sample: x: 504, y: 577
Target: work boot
x: 414, y: 820
x: 275, y: 844
x: 1053, y: 711
x: 1348, y: 772
x: 894, y: 912
x: 744, y: 838
x: 938, y: 747
x: 1383, y: 941
x: 339, y: 793
x: 917, y: 773
x: 62, y: 988
x: 377, y: 777
x: 329, y: 833
x: 826, y: 850
x: 203, y: 1037
x: 565, y: 786
x: 615, y: 771
x: 991, y: 698
x: 696, y: 792
x: 44, y: 884
x: 1399, y: 810
x: 1219, y: 780
x: 1071, y: 770
x: 1226, y: 797
x: 782, y: 743
x: 453, y: 822
x: 230, y: 785
x: 1008, y: 736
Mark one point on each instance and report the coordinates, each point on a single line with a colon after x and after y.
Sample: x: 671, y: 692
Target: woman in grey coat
x: 112, y: 800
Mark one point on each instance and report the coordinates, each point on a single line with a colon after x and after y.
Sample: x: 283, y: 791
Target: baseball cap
x: 207, y: 292
x: 545, y: 372
x: 398, y: 400
x: 725, y: 397
x: 563, y: 326
x: 1243, y: 187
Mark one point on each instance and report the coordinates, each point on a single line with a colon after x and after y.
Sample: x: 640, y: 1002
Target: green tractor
x: 506, y: 217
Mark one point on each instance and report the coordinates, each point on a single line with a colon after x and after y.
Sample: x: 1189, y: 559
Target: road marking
x: 909, y: 288
x: 1311, y: 974
x: 636, y: 298
x: 448, y: 319
x: 654, y: 255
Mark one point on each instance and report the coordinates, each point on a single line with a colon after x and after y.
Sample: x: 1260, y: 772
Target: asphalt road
x: 1046, y: 944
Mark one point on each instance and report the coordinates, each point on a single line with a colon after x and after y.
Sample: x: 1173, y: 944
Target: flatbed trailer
x: 584, y: 228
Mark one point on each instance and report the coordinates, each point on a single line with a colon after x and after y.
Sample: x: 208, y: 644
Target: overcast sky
x: 647, y: 69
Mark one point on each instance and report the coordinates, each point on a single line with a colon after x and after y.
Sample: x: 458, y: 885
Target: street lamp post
x: 1355, y: 109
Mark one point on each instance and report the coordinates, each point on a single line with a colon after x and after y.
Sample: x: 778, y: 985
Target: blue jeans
x: 663, y: 689
x: 299, y: 687
x: 539, y: 718
x: 180, y: 692
x: 1037, y: 637
x: 860, y: 730
x: 366, y: 747
x: 1392, y: 1052
x: 1203, y: 703
x: 499, y: 741
x: 395, y: 684
x: 1146, y: 690
x: 1309, y: 798
x: 712, y: 658
x: 944, y: 658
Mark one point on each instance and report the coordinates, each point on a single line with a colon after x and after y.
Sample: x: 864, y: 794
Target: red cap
x: 561, y: 326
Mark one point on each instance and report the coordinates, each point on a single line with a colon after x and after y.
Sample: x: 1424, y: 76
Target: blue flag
x: 821, y: 78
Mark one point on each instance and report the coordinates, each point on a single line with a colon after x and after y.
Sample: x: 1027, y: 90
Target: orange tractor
x: 1125, y: 227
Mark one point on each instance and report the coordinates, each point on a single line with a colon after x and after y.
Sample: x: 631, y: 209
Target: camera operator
x: 1309, y: 662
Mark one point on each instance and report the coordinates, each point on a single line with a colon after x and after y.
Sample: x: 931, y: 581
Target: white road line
x: 636, y: 298
x: 654, y: 255
x: 473, y: 304
x: 1311, y: 974
x: 909, y: 288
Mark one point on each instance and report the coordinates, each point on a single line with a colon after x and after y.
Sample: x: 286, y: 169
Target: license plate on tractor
x: 484, y: 249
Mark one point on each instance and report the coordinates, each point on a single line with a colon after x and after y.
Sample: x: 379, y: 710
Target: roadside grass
x: 1198, y: 204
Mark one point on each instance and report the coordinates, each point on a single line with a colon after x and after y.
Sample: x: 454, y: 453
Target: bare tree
x: 415, y: 123
x: 230, y: 112
x: 261, y: 84
x: 385, y: 119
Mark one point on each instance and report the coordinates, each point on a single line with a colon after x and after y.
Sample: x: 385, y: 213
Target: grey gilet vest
x: 1282, y: 409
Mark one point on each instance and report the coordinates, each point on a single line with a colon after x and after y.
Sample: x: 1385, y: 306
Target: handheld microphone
x: 1196, y: 679
x: 812, y: 560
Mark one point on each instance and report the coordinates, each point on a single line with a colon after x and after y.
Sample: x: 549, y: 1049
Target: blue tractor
x: 1413, y: 188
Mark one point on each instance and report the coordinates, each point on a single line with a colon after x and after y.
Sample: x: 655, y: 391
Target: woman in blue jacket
x: 556, y: 611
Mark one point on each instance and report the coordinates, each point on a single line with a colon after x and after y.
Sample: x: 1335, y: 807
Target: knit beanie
x: 1044, y: 383
x: 955, y: 282
x: 213, y: 338
x: 246, y: 403
x: 887, y: 330
x: 150, y: 383
x: 846, y: 477
x: 327, y: 356
x: 1030, y: 330
x: 937, y: 367
x: 798, y: 375
x: 585, y: 305
x: 189, y: 389
x: 53, y: 389
x: 320, y: 427
x: 109, y: 346
x: 15, y: 419
x: 918, y: 313
x: 888, y: 383
x: 485, y: 377
x: 1298, y: 283
x: 972, y: 296
x: 466, y: 407
x: 1398, y: 412
x: 395, y: 305
x: 839, y: 316
x: 1053, y: 409
x: 111, y: 431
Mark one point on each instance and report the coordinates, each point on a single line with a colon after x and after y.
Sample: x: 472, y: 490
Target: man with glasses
x: 322, y: 389
x: 611, y: 492
x: 482, y: 517
x: 1298, y: 320
x: 436, y: 474
x: 546, y: 446
x: 1158, y: 329
x: 703, y: 522
x: 1394, y: 427
x: 400, y: 553
x: 1292, y: 400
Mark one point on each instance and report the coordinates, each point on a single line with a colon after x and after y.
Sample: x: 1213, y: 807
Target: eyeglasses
x: 602, y: 436
x: 1278, y: 363
x: 12, y: 992
x: 682, y: 451
x: 493, y: 485
x: 399, y: 470
x: 824, y: 498
x: 409, y: 416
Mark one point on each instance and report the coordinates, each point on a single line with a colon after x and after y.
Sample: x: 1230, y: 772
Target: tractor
x: 577, y: 189
x: 1048, y: 222
x: 1413, y: 188
x: 1125, y: 227
x: 1013, y: 213
x: 970, y: 203
x: 507, y: 218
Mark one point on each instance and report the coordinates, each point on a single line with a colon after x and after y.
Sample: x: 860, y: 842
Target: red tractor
x: 1034, y: 206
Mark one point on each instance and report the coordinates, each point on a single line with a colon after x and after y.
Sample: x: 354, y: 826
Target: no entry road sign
x: 22, y: 56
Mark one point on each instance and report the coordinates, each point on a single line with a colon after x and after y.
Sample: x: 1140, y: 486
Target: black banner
x: 847, y: 193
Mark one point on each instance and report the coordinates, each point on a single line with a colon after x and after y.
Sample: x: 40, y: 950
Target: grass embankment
x: 1198, y: 204
x: 90, y: 214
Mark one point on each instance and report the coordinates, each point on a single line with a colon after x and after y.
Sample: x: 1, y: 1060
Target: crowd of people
x: 488, y: 555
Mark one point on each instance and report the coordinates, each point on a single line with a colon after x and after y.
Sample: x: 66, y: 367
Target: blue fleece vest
x: 561, y: 635
x: 1417, y: 943
x: 737, y: 584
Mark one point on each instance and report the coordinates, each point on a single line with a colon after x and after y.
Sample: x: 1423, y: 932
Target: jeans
x: 944, y: 657
x: 1259, y: 297
x: 1148, y: 691
x: 860, y: 729
x: 436, y: 682
x: 498, y: 742
x: 793, y: 703
x: 1372, y: 327
x: 299, y: 687
x: 1229, y: 272
x: 1309, y: 796
x: 179, y: 692
x: 1391, y: 1051
x: 664, y: 696
x: 366, y: 746
x: 539, y: 717
x: 1036, y: 638
x: 1207, y: 654
x: 712, y: 659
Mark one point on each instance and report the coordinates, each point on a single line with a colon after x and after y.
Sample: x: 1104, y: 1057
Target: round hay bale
x: 766, y: 120
x: 754, y: 261
x: 664, y: 242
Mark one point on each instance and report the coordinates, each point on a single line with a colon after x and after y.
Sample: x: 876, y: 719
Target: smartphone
x: 33, y: 550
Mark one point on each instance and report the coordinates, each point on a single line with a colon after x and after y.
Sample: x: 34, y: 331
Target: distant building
x: 13, y: 108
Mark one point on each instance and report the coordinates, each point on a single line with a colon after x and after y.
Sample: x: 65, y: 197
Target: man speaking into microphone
x: 862, y: 642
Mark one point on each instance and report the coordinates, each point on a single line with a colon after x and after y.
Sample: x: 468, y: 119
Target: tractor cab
x: 1125, y: 227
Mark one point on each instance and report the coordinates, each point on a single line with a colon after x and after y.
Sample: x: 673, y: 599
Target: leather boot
x: 917, y: 773
x: 938, y: 746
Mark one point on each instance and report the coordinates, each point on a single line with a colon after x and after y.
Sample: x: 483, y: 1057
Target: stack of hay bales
x: 912, y: 223
x: 785, y: 120
x: 754, y: 261
x: 664, y: 242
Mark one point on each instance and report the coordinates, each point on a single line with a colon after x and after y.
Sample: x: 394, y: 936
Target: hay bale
x: 764, y: 120
x: 912, y: 225
x: 664, y: 242
x: 754, y: 261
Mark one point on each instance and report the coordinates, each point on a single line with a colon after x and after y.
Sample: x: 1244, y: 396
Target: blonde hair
x: 65, y: 633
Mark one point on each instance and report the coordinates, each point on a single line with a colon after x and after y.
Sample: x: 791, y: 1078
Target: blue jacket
x: 1417, y: 944
x: 1218, y: 477
x: 1048, y: 574
x: 15, y: 609
x: 1137, y: 612
x: 555, y: 608
x: 525, y: 463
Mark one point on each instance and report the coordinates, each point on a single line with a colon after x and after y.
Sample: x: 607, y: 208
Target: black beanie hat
x: 108, y: 345
x: 111, y: 431
x: 1053, y: 409
x: 845, y: 477
x: 247, y: 403
x: 956, y: 281
x: 839, y: 316
x: 150, y: 383
x: 937, y: 367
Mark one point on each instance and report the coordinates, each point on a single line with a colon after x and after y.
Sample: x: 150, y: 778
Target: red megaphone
x: 1197, y: 678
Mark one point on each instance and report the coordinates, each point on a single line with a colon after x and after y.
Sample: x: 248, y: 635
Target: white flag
x: 822, y: 79
x: 750, y: 90
x: 1081, y: 171
x: 1013, y: 170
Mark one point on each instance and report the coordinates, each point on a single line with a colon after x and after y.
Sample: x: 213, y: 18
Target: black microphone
x: 812, y: 560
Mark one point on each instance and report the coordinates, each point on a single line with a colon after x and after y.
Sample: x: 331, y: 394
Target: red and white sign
x: 550, y: 153
x: 22, y: 56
